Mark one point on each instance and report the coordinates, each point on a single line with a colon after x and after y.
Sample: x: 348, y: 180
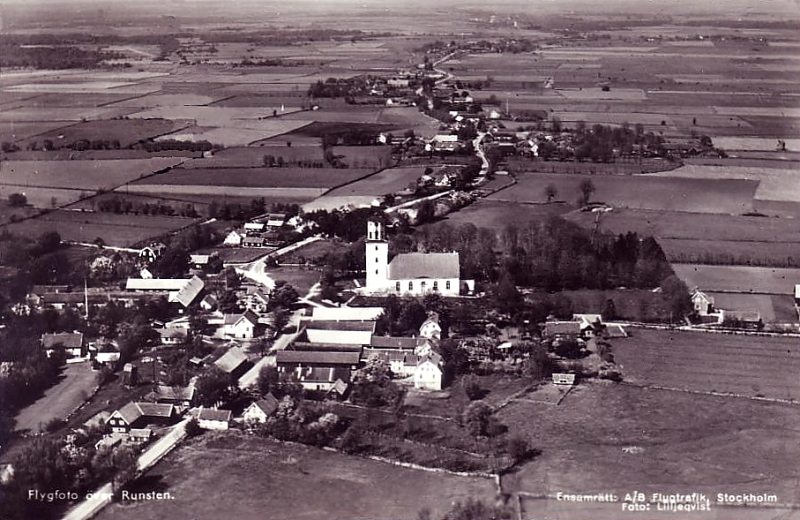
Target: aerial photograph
x: 400, y: 260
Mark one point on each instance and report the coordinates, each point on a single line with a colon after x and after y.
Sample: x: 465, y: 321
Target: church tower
x: 377, y: 254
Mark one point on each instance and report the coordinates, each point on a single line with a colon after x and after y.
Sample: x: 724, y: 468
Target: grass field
x: 739, y: 279
x: 252, y: 157
x: 732, y: 196
x: 80, y: 175
x: 115, y: 230
x: 773, y: 308
x: 497, y: 215
x: 314, y: 251
x: 261, y: 177
x: 743, y: 365
x: 77, y: 383
x: 704, y: 443
x: 252, y: 477
x: 45, y: 198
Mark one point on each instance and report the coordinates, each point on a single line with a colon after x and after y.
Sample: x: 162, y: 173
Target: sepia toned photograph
x: 400, y: 260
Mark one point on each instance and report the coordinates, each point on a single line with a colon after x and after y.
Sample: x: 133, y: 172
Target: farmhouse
x: 428, y: 373
x: 316, y: 370
x: 242, y: 326
x: 339, y: 332
x: 71, y: 341
x: 234, y: 238
x: 211, y: 419
x: 409, y: 273
x: 703, y: 303
x: 430, y: 328
x: 181, y: 397
x: 139, y: 414
x: 260, y: 410
x: 150, y: 253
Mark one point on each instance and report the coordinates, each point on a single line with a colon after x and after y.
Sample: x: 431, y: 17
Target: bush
x: 518, y: 448
x: 472, y: 388
x: 54, y: 425
x: 193, y: 428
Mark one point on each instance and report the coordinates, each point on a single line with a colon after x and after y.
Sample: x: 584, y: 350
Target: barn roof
x: 268, y: 404
x: 69, y: 340
x: 562, y: 328
x: 231, y: 360
x: 210, y: 414
x: 409, y: 266
x: 187, y: 294
x: 340, y: 325
x: 386, y: 342
x: 156, y: 284
x: 133, y: 411
x: 318, y: 357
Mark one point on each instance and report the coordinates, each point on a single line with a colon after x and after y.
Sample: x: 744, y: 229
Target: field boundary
x: 711, y: 392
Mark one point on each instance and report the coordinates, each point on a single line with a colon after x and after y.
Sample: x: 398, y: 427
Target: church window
x: 447, y: 285
x: 397, y: 287
x: 410, y: 286
x: 435, y: 285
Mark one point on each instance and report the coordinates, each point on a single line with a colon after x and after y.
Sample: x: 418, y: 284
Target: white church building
x: 413, y: 274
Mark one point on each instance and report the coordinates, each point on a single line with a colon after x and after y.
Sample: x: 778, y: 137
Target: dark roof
x: 268, y: 404
x: 318, y: 357
x: 174, y: 393
x: 408, y: 266
x: 189, y: 292
x: 342, y: 347
x: 210, y: 414
x: 324, y: 374
x: 364, y: 326
x: 41, y: 289
x: 133, y: 411
x: 562, y: 328
x: 67, y: 339
x: 231, y: 360
x: 396, y: 343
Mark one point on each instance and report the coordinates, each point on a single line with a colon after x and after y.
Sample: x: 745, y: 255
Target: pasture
x: 81, y: 174
x: 343, y: 486
x: 227, y: 193
x: 739, y: 279
x: 115, y: 230
x: 732, y: 196
x: 772, y: 308
x: 681, y: 441
x: 260, y: 177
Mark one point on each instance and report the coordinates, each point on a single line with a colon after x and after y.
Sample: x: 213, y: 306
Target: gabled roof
x: 433, y: 357
x: 248, y: 315
x: 133, y: 411
x: 555, y: 328
x: 340, y: 325
x: 156, y: 284
x: 408, y: 266
x: 187, y: 294
x: 327, y: 347
x: 697, y: 293
x: 210, y: 414
x: 174, y: 393
x: 231, y: 360
x: 70, y: 340
x: 387, y: 342
x: 346, y: 313
x: 268, y: 404
x: 317, y: 357
x: 339, y: 387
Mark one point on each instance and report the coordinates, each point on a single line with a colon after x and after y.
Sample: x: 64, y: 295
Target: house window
x: 376, y: 260
x: 397, y: 287
x: 376, y: 248
x: 376, y: 271
x: 447, y: 285
x: 435, y: 285
x: 410, y: 286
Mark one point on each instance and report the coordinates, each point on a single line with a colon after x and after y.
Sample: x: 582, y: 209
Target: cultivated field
x: 733, y: 196
x: 115, y: 230
x: 126, y: 131
x: 251, y: 476
x: 680, y: 441
x: 390, y: 180
x: 742, y: 365
x: 772, y: 308
x: 80, y: 175
x: 739, y: 279
x: 260, y: 177
x: 497, y: 215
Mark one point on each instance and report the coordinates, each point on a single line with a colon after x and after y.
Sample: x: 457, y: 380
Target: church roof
x: 424, y: 265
